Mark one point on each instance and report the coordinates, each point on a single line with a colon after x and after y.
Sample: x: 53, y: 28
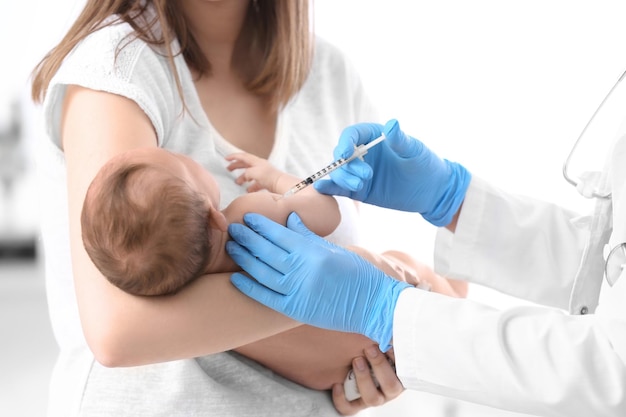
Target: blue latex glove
x: 399, y: 173
x: 312, y: 280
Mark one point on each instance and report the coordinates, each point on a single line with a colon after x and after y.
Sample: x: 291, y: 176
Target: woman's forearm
x: 207, y: 316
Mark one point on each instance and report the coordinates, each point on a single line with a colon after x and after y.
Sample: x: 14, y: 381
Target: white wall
x: 30, y: 28
x: 502, y: 86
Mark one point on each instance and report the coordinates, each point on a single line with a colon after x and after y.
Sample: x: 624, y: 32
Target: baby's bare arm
x: 260, y: 174
x: 320, y: 213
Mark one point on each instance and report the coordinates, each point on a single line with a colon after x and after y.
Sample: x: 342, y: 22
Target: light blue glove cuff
x: 453, y: 196
x: 379, y: 325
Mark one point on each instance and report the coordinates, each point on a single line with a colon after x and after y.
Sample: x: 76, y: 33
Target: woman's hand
x: 389, y: 386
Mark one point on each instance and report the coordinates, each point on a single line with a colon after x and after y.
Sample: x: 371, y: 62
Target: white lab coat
x: 557, y: 360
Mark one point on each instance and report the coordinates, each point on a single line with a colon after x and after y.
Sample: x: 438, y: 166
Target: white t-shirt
x: 225, y: 384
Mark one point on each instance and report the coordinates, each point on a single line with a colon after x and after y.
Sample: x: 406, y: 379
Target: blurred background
x: 27, y: 346
x: 502, y: 86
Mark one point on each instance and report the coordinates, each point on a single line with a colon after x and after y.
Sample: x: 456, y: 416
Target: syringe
x: 359, y: 151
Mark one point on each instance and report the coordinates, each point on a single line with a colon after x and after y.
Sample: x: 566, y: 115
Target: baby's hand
x: 258, y: 171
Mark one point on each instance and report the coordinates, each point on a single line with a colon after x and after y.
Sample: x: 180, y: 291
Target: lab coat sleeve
x: 535, y: 360
x: 517, y: 245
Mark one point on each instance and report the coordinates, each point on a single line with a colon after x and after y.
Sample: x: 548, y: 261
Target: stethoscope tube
x: 615, y: 259
x: 595, y: 193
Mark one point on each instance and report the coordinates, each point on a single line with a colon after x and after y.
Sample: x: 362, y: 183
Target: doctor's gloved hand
x: 399, y: 173
x: 312, y: 280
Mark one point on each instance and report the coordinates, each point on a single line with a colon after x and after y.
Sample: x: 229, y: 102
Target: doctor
x: 536, y: 360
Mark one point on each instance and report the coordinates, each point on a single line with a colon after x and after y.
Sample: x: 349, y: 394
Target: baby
x: 151, y: 223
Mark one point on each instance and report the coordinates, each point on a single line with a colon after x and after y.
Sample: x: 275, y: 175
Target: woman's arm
x: 208, y: 316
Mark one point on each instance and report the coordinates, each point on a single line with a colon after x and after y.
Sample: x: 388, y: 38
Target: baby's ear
x: 217, y: 220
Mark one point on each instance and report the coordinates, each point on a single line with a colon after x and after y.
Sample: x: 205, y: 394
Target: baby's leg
x: 438, y: 283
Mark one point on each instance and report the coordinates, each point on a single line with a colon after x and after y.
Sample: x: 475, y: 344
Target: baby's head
x: 146, y: 221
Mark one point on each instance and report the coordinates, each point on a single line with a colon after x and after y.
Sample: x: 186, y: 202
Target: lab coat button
x: 584, y: 310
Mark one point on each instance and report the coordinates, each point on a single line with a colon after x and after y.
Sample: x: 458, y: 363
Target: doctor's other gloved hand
x: 400, y: 173
x: 312, y: 280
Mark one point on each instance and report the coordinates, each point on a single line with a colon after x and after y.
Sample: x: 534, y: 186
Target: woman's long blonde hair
x: 282, y: 38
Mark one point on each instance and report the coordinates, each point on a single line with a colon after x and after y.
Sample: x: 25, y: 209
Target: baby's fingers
x: 242, y: 179
x: 243, y: 157
x: 254, y: 187
x: 237, y: 164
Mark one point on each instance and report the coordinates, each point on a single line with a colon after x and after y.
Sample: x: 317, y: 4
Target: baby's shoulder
x: 261, y: 202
